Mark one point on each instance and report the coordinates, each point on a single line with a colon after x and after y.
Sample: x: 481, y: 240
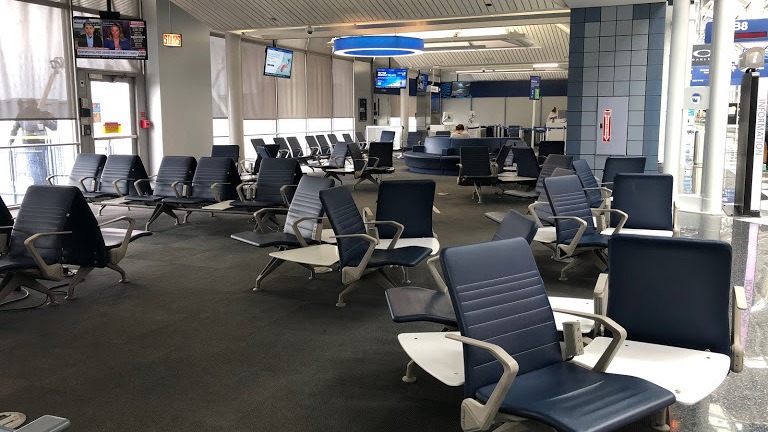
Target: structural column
x: 717, y: 114
x: 405, y: 106
x: 235, y: 90
x: 678, y: 53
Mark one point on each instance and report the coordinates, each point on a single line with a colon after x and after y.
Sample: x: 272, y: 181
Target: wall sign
x: 535, y: 88
x: 607, y: 125
x: 753, y: 30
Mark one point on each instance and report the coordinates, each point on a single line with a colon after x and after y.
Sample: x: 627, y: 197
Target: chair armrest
x: 115, y: 255
x: 284, y: 193
x: 137, y: 184
x: 351, y: 274
x: 398, y: 226
x: 117, y: 189
x: 263, y: 213
x: 282, y: 153
x: 600, y: 295
x: 476, y: 416
x: 432, y: 265
x: 532, y: 211
x: 50, y: 178
x: 215, y: 188
x: 570, y: 247
x: 53, y: 271
x: 494, y: 169
x: 675, y: 227
x: 238, y: 189
x: 618, y: 332
x: 82, y: 183
x: 295, y: 227
x: 621, y: 214
x: 737, y: 350
x: 368, y: 217
x: 176, y: 191
x: 605, y: 194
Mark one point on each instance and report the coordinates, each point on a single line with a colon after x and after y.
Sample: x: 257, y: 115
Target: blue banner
x: 535, y: 88
x: 753, y: 30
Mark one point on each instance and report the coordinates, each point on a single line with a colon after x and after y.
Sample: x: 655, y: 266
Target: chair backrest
x: 501, y: 156
x: 622, y: 164
x: 408, y: 202
x: 684, y: 283
x: 280, y: 141
x: 230, y: 151
x: 347, y: 137
x: 274, y: 174
x: 475, y: 161
x: 525, y: 159
x: 552, y: 162
x: 324, y: 146
x: 212, y: 170
x: 566, y: 197
x: 345, y: 219
x: 544, y: 212
x: 121, y: 167
x: 645, y: 198
x: 382, y: 151
x: 387, y: 136
x: 516, y: 225
x: 332, y: 138
x: 547, y: 148
x: 173, y: 169
x: 498, y: 296
x: 359, y: 163
x: 296, y: 150
x: 442, y: 133
x: 86, y: 165
x: 85, y: 245
x: 588, y: 181
x: 413, y: 138
x: 256, y: 142
x: 264, y: 153
x: 338, y: 155
x: 43, y: 209
x: 306, y: 203
x: 360, y: 137
x: 313, y: 146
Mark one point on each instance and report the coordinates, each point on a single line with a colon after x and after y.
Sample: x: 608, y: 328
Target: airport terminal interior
x: 399, y: 215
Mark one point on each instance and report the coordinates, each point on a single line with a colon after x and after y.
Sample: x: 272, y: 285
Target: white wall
x: 178, y: 82
x: 505, y: 111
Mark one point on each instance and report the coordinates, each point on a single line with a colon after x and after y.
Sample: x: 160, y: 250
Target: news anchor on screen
x: 91, y: 38
x: 116, y: 40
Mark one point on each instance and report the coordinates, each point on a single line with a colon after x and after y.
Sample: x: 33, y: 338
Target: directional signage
x: 753, y: 30
x: 535, y: 88
x: 607, y: 125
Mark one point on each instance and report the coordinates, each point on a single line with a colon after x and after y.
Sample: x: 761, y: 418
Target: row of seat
x: 317, y: 145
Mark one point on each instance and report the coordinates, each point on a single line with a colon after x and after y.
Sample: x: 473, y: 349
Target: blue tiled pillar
x: 616, y: 51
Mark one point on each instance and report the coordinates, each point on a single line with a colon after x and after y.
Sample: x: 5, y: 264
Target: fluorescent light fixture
x: 545, y: 65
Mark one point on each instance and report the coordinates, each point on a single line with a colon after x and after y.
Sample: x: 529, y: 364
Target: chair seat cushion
x: 255, y: 204
x: 408, y: 256
x: 113, y: 237
x: 269, y: 239
x: 556, y: 395
x: 185, y: 200
x: 598, y: 240
x: 408, y: 304
x: 20, y: 262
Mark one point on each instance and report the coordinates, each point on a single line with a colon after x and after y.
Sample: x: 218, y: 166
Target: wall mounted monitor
x: 421, y: 82
x: 391, y: 78
x: 110, y: 38
x: 278, y: 62
x: 460, y: 89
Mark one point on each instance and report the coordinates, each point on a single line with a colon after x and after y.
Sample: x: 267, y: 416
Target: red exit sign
x: 172, y: 39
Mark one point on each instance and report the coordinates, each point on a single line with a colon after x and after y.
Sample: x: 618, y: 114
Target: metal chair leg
x: 271, y: 266
x: 409, y: 377
x: 81, y: 273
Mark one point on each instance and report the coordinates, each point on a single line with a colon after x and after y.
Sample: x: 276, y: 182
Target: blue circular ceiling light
x: 378, y: 46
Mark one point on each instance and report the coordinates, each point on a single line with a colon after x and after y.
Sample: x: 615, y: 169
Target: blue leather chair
x: 230, y: 151
x: 325, y: 148
x: 284, y: 150
x: 621, y: 164
x: 87, y: 166
x: 357, y: 249
x: 347, y: 138
x: 574, y: 225
x: 257, y: 142
x: 117, y: 178
x: 301, y: 223
x: 314, y: 148
x: 379, y: 161
x: 333, y: 139
x: 274, y: 174
x: 647, y: 201
x: 513, y: 365
x: 553, y: 161
x: 525, y: 159
x: 172, y: 169
x: 476, y: 170
x: 596, y: 195
x: 336, y: 163
x: 387, y: 136
x: 547, y: 148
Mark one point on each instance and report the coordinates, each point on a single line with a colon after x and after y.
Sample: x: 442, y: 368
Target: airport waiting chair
x: 325, y: 148
x: 598, y: 196
x: 621, y: 164
x: 117, y: 179
x: 173, y: 169
x: 297, y: 152
x: 387, y: 136
x: 412, y: 139
x: 501, y: 157
x: 689, y: 343
x: 647, y: 201
x: 314, y: 148
x: 268, y: 189
x: 88, y: 166
x: 550, y: 164
x: 215, y: 181
x: 335, y: 165
x: 476, y: 170
x: 576, y: 234
x: 257, y: 142
x: 333, y: 139
x: 361, y: 141
x: 527, y: 172
x: 357, y: 251
x: 378, y: 163
x: 284, y: 148
x: 514, y: 368
x: 301, y: 229
x: 347, y: 138
x: 230, y: 151
x: 547, y: 148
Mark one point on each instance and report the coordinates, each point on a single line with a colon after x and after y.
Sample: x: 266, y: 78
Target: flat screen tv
x: 421, y: 82
x: 460, y: 89
x: 391, y: 78
x: 110, y: 38
x: 278, y: 62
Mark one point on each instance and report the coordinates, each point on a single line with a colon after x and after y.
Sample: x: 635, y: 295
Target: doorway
x: 113, y: 108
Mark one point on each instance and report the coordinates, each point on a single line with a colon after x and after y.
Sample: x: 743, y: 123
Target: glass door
x: 114, y: 124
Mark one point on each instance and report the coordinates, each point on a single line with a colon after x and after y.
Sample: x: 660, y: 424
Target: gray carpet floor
x: 186, y: 345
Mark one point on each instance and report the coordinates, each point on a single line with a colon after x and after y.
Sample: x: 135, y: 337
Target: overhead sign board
x: 535, y: 88
x: 752, y: 30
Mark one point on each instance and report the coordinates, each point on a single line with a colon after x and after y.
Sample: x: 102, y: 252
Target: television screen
x: 421, y: 82
x: 460, y: 89
x: 110, y: 38
x: 278, y: 62
x: 391, y: 78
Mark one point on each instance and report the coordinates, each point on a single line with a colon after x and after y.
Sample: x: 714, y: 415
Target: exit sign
x: 172, y: 39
